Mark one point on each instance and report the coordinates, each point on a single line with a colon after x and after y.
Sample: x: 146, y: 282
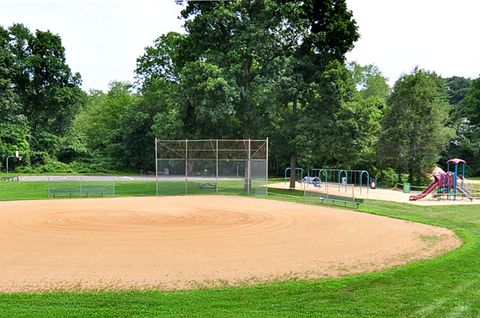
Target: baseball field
x: 234, y: 256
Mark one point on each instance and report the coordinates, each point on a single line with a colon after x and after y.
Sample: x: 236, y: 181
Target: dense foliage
x: 415, y: 129
x: 242, y: 69
x: 39, y: 95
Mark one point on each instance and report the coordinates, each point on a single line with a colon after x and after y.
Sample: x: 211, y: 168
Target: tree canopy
x: 40, y: 95
x: 242, y: 69
x: 414, y: 124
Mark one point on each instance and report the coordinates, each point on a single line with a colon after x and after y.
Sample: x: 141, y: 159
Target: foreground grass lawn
x: 444, y: 287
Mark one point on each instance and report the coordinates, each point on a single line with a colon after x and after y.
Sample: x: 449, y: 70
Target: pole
x: 353, y: 195
x: 156, y: 166
x: 266, y: 168
x: 248, y: 169
x: 455, y: 183
x: 216, y: 167
x: 186, y: 166
x: 81, y: 188
x: 327, y: 186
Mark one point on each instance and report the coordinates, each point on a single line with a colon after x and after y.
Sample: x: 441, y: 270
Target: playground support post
x: 298, y: 169
x: 453, y: 187
x: 340, y: 178
x: 455, y: 183
x: 361, y: 181
x: 320, y: 175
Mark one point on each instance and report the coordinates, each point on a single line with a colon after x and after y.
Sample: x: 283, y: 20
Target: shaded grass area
x: 443, y: 287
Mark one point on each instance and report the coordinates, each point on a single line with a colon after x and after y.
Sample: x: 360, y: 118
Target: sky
x: 103, y: 38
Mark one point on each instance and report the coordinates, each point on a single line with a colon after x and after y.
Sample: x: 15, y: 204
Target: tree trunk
x: 410, y: 176
x: 293, y: 158
x: 293, y: 170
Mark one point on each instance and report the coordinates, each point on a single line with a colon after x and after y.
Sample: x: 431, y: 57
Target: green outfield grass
x: 443, y: 287
x: 39, y: 190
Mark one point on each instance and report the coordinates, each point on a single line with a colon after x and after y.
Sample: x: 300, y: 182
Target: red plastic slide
x: 427, y: 191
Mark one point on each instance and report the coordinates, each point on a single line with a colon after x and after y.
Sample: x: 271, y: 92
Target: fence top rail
x: 348, y: 170
x: 193, y: 140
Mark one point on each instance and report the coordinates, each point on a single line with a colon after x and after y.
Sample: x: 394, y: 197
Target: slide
x: 466, y: 192
x: 427, y: 191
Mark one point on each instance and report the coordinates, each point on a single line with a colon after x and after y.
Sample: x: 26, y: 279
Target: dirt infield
x: 187, y: 242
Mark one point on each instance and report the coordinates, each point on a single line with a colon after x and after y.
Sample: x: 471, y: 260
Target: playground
x: 373, y: 194
x: 187, y: 242
x: 449, y: 187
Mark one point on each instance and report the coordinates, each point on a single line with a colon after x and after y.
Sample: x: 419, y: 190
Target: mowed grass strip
x: 39, y: 190
x: 443, y: 287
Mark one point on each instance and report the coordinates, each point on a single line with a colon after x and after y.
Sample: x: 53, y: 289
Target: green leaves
x: 209, y: 99
x: 14, y: 130
x: 43, y: 94
x: 415, y: 129
x: 471, y: 102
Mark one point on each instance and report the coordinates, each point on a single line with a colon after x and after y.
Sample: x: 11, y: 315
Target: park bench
x: 88, y: 192
x: 355, y: 204
x: 207, y: 185
x: 13, y: 178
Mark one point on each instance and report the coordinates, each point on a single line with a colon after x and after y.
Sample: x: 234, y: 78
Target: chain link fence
x: 211, y: 166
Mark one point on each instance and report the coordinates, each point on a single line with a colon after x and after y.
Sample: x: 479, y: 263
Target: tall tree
x: 414, y: 126
x: 467, y: 143
x: 328, y: 32
x: 471, y: 102
x: 353, y: 141
x: 370, y: 81
x: 14, y: 131
x: 49, y: 93
x: 457, y: 88
x: 247, y: 68
x: 107, y: 121
x: 461, y: 145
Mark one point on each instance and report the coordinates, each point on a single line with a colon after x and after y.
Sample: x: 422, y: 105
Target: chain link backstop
x: 211, y: 166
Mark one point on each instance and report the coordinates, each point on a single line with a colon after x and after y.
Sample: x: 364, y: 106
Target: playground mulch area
x: 187, y: 242
x: 375, y: 194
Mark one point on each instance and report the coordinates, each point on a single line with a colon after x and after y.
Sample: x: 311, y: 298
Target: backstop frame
x: 252, y: 156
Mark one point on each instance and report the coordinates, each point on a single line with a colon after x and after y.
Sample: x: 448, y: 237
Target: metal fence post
x: 216, y: 167
x: 266, y: 169
x: 156, y: 166
x: 186, y: 166
x: 249, y: 173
